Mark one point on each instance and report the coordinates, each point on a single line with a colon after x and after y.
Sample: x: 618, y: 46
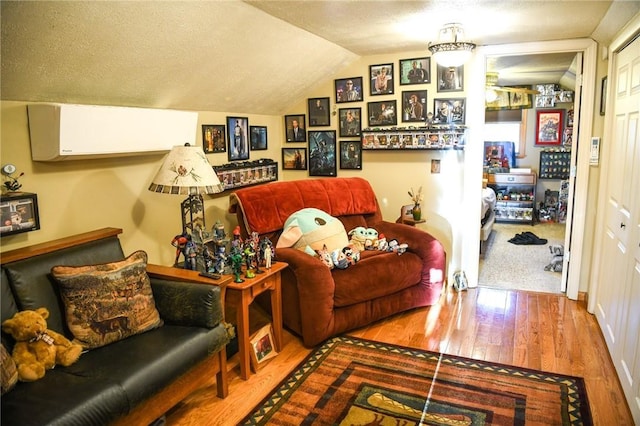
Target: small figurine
x: 12, y: 184
x: 266, y: 254
x: 190, y: 253
x: 236, y: 264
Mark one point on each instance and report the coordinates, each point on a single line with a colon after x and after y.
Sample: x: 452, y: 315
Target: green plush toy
x: 311, y: 230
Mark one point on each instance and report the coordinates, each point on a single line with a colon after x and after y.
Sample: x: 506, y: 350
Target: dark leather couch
x: 133, y: 381
x: 318, y: 303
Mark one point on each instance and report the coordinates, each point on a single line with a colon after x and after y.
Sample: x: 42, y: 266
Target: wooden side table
x: 241, y: 295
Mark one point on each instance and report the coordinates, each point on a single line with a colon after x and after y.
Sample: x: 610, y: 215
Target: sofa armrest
x: 186, y: 303
x: 315, y: 287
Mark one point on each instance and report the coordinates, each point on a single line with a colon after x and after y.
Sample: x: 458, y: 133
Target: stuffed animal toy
x: 358, y: 237
x: 37, y: 348
x: 312, y: 229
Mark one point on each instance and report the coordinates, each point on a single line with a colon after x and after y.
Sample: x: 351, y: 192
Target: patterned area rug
x: 350, y: 381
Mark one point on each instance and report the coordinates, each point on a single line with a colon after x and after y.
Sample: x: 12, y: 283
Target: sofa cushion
x: 64, y: 399
x: 107, y: 302
x: 377, y: 274
x: 143, y: 364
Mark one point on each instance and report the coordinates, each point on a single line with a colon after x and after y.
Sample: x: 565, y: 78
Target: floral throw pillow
x: 107, y: 302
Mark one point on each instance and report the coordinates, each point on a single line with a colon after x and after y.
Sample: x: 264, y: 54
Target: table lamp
x: 186, y: 171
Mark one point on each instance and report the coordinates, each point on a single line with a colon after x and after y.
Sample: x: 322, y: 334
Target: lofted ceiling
x: 259, y: 57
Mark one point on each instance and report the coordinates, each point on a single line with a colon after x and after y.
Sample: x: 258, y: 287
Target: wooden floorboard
x: 524, y: 329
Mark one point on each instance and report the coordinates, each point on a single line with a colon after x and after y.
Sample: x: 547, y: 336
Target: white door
x: 618, y: 295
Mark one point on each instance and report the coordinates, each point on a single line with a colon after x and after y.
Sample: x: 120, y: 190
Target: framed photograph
x: 414, y: 106
x: 499, y: 103
x: 382, y: 113
x: 322, y: 153
x: 350, y: 122
x: 214, y: 138
x: 238, y: 135
x: 415, y: 71
x: 449, y: 111
x: 262, y: 346
x: 603, y: 95
x: 19, y: 213
x: 319, y: 112
x: 450, y: 79
x: 381, y: 77
x: 549, y: 128
x: 351, y: 155
x: 294, y: 158
x: 348, y: 90
x: 258, y: 138
x: 295, y: 126
x: 519, y: 100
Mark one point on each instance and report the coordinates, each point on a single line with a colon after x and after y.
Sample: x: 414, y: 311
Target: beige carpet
x: 520, y: 267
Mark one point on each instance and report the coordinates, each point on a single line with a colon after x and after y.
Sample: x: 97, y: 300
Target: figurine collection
x: 213, y: 253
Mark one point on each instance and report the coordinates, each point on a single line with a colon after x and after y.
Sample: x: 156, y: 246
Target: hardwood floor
x: 526, y: 329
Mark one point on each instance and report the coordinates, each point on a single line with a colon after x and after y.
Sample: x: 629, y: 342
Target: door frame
x: 474, y: 150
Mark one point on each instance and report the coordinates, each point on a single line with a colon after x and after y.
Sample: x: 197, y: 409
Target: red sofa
x: 319, y: 303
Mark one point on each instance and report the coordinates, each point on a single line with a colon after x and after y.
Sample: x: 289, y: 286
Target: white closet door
x: 618, y: 295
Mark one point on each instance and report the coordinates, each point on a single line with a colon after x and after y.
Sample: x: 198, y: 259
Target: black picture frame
x: 322, y: 153
x: 377, y: 115
x: 19, y: 212
x: 238, y: 138
x: 603, y: 95
x: 414, y: 106
x: 415, y: 71
x: 294, y: 158
x: 350, y: 124
x: 319, y: 114
x: 258, y: 138
x: 450, y: 79
x: 449, y: 111
x: 381, y: 79
x: 351, y: 155
x: 214, y: 138
x: 289, y: 121
x: 348, y: 90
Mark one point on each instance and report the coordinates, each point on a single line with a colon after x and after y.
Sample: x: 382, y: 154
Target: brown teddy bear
x: 37, y: 348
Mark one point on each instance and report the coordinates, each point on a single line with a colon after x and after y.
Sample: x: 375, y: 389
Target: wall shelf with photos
x: 247, y: 173
x: 414, y: 138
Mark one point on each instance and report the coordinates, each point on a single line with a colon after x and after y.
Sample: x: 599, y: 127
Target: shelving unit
x: 516, y: 195
x: 414, y: 138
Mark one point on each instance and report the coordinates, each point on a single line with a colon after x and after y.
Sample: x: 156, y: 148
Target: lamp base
x: 192, y: 210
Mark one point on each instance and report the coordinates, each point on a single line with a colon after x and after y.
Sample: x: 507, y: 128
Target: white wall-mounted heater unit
x: 77, y: 132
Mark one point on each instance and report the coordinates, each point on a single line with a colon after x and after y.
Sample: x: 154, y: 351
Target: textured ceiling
x: 255, y: 57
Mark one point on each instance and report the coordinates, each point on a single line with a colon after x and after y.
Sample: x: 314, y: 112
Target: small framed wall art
x: 382, y: 113
x: 322, y: 153
x: 381, y: 77
x: 294, y: 158
x: 348, y: 89
x: 414, y: 106
x: 450, y: 79
x: 350, y: 122
x: 296, y: 128
x: 319, y: 112
x: 415, y: 71
x: 238, y: 134
x: 258, y: 138
x: 351, y: 155
x: 549, y: 130
x: 449, y: 111
x: 19, y: 213
x: 214, y: 138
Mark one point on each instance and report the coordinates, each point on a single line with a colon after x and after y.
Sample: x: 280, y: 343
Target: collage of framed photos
x: 441, y: 127
x: 237, y: 138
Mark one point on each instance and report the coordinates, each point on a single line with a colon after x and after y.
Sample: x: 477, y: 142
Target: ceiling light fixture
x: 451, y: 50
